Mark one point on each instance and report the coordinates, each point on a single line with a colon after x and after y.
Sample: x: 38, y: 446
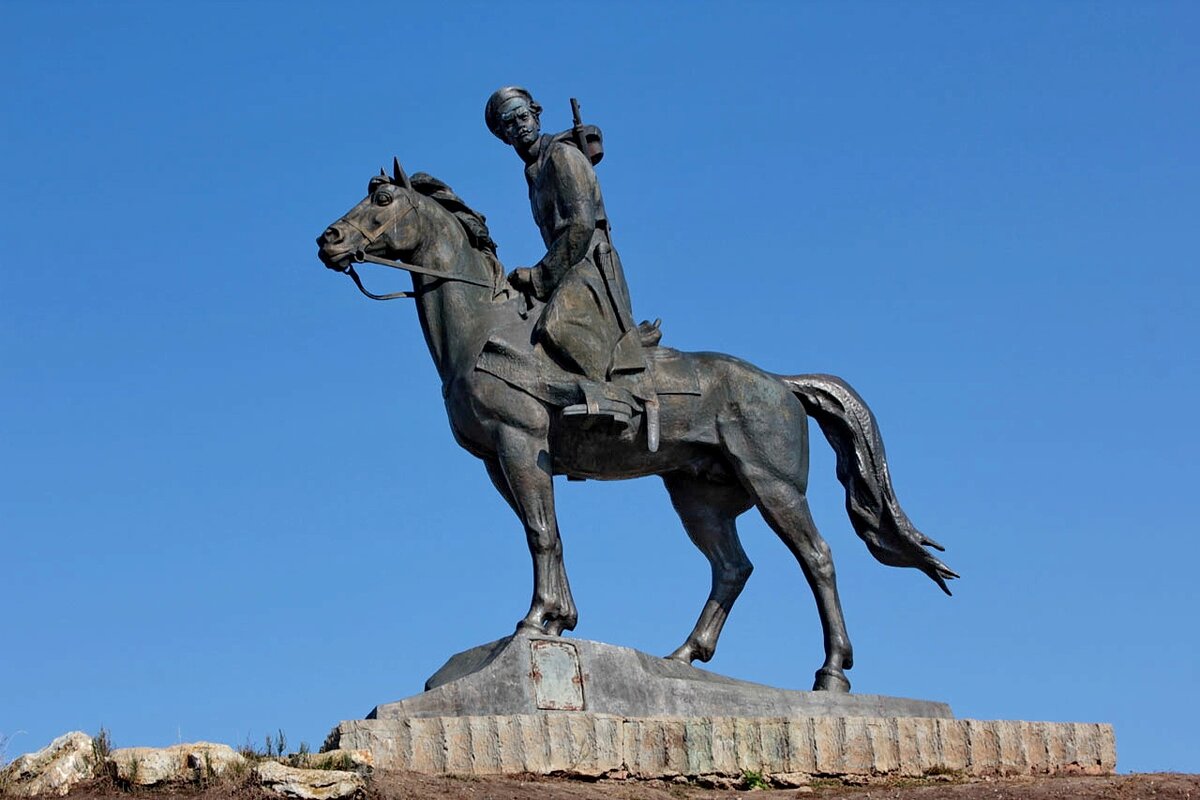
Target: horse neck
x: 454, y: 315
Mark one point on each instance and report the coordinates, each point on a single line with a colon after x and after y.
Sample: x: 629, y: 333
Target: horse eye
x: 382, y: 198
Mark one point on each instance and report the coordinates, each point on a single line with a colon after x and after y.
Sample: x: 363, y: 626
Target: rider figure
x: 580, y: 278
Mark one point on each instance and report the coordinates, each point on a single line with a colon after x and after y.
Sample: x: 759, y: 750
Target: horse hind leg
x: 767, y: 444
x: 786, y: 511
x: 708, y: 512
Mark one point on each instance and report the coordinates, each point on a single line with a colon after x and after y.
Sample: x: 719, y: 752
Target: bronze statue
x: 730, y: 436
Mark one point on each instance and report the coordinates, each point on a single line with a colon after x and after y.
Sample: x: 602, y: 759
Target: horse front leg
x: 522, y: 473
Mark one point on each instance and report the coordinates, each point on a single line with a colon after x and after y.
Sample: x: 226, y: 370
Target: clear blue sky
x: 228, y: 491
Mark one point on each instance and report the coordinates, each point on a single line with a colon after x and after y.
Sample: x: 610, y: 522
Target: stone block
x: 181, y: 763
x: 308, y: 784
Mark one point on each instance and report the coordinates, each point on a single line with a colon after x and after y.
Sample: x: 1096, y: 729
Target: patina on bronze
x: 732, y: 436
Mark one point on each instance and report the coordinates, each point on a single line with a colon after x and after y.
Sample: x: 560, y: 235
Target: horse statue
x: 732, y: 436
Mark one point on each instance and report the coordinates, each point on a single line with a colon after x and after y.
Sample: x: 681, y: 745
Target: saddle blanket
x: 528, y: 368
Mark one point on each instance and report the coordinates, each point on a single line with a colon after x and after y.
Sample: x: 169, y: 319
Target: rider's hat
x: 504, y: 100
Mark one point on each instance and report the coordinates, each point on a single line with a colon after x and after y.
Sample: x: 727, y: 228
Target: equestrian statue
x: 545, y: 373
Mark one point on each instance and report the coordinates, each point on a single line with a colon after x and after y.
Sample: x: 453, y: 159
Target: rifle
x: 587, y: 137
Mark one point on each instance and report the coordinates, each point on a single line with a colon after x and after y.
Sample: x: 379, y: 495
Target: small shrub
x: 250, y: 752
x: 755, y: 780
x: 341, y: 761
x: 239, y: 770
x: 825, y: 783
x: 275, y: 745
x: 303, y: 757
x: 103, y: 769
x: 101, y: 747
x: 941, y: 769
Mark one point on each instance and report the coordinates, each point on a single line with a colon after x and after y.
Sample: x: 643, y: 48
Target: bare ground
x: 406, y: 786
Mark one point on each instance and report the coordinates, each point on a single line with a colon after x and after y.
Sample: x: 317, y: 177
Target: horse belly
x: 686, y: 442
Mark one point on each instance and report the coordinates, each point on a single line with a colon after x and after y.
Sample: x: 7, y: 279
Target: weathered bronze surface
x: 545, y: 374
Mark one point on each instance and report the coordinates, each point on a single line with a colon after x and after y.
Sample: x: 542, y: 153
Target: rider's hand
x: 522, y: 279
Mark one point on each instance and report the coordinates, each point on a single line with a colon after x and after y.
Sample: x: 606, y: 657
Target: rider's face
x: 520, y: 126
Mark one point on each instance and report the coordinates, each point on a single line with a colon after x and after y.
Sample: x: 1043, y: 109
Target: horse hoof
x: 683, y: 655
x: 525, y: 628
x: 830, y: 680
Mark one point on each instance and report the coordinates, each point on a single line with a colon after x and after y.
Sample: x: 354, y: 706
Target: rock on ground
x: 181, y: 763
x: 309, y: 784
x: 52, y: 770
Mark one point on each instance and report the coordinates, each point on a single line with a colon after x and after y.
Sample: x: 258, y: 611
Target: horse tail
x: 852, y: 432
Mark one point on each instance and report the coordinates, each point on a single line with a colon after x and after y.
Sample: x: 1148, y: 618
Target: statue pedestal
x: 544, y: 704
x: 527, y: 674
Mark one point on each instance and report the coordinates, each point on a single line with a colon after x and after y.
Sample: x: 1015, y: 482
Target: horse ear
x: 382, y: 172
x: 398, y: 175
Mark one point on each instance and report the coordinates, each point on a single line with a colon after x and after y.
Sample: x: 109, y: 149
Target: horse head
x: 381, y: 224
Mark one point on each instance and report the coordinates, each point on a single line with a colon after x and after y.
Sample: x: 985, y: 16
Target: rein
x: 383, y: 262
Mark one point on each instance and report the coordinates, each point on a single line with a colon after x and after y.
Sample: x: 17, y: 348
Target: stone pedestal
x: 529, y: 674
x: 541, y: 704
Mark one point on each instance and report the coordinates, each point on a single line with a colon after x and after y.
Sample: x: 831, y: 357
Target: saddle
x: 638, y: 367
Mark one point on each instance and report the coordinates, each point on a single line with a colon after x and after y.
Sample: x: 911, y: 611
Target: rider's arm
x: 574, y: 186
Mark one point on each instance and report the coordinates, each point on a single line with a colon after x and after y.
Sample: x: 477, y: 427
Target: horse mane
x: 474, y: 223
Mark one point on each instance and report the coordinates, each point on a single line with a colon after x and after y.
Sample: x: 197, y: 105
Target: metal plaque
x: 557, y: 679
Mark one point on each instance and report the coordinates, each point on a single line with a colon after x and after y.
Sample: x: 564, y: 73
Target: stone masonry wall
x: 595, y: 744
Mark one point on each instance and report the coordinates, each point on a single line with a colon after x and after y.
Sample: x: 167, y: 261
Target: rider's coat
x: 580, y: 277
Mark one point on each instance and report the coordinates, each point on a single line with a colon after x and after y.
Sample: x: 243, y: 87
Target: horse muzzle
x: 333, y: 250
x: 338, y: 262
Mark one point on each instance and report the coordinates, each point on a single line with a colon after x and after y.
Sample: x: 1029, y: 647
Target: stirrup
x: 619, y: 413
x: 597, y: 406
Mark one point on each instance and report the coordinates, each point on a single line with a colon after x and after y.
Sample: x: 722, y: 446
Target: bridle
x: 369, y: 237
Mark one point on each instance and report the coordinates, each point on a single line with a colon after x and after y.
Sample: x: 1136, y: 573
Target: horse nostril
x: 332, y: 235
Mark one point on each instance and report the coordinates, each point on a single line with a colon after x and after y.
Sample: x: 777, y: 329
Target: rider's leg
x: 580, y: 331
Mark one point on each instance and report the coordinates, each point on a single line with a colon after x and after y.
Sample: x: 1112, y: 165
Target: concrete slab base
x: 593, y: 745
x: 529, y: 673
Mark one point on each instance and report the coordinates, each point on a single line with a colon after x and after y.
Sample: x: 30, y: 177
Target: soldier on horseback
x: 734, y: 436
x: 587, y: 322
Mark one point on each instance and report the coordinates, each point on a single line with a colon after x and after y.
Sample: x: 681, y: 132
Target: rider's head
x: 513, y: 116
